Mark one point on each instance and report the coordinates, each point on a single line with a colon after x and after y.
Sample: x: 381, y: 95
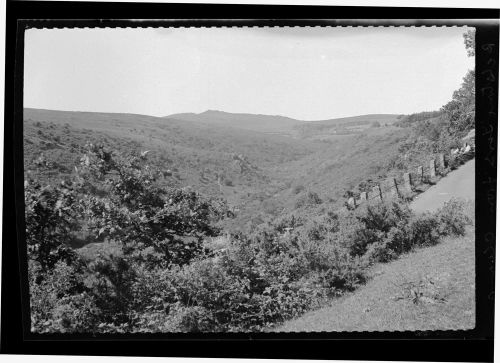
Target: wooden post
x: 393, y: 187
x: 442, y: 164
x: 377, y: 192
x: 408, y: 182
x: 352, y: 202
x: 432, y: 167
x: 420, y: 174
x: 363, y: 197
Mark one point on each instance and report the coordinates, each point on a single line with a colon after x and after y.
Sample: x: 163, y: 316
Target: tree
x: 118, y: 197
x: 470, y: 42
x: 460, y: 111
x: 157, y: 225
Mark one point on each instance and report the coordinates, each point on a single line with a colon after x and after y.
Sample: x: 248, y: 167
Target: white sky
x: 305, y: 73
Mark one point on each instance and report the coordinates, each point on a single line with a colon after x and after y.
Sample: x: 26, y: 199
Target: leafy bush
x: 51, y: 216
x: 308, y: 199
x: 422, y: 230
x: 371, y: 223
x: 60, y: 302
x: 452, y: 218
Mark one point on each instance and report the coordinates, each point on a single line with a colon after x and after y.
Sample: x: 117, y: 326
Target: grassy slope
x: 384, y: 304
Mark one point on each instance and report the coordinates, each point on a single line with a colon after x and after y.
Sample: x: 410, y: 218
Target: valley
x: 252, y: 161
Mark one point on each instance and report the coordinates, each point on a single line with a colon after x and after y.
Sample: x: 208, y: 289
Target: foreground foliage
x: 156, y: 271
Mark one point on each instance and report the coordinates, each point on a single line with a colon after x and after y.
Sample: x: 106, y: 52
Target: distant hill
x: 345, y: 125
x: 261, y: 123
x: 286, y: 126
x: 388, y: 118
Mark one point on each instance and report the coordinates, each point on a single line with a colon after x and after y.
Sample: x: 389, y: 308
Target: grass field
x: 428, y: 289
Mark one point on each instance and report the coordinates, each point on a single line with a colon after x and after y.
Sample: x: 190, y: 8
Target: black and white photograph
x: 250, y: 179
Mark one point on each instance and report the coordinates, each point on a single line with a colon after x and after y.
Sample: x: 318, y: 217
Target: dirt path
x: 458, y: 184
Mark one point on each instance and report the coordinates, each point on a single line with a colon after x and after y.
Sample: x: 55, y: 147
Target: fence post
x: 432, y: 167
x: 393, y: 187
x: 352, y: 202
x: 408, y: 182
x: 363, y: 197
x: 442, y: 163
x: 420, y: 174
x: 377, y: 192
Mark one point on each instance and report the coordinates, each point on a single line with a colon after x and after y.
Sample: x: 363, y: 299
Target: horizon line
x: 226, y: 112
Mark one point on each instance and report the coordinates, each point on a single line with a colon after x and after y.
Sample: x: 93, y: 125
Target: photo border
x: 462, y: 345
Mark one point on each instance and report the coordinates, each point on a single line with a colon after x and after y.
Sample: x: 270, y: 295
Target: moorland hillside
x: 259, y: 174
x: 286, y: 126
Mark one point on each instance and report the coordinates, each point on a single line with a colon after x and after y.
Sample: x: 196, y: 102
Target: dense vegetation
x: 215, y: 228
x: 156, y: 272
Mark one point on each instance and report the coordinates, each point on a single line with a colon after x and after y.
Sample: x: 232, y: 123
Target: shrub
x: 424, y: 231
x: 206, y: 284
x: 340, y: 271
x: 379, y: 252
x: 309, y: 199
x: 370, y: 224
x: 187, y: 319
x: 60, y: 302
x: 110, y: 280
x: 452, y: 218
x: 51, y: 216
